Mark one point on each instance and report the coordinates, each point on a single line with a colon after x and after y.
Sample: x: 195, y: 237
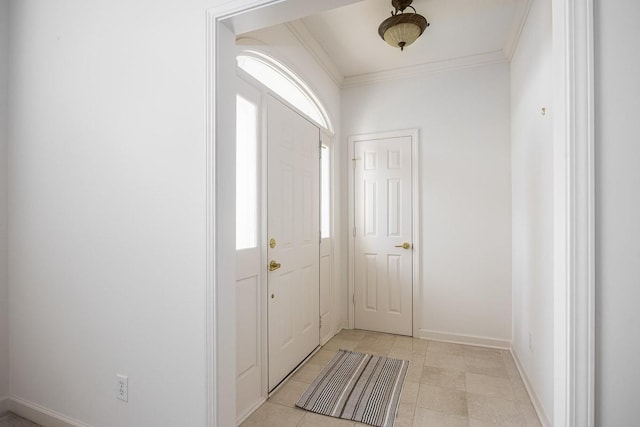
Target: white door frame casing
x: 574, y: 208
x: 573, y: 212
x: 326, y: 139
x: 415, y: 217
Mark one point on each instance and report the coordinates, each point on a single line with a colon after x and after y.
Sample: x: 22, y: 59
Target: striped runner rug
x: 358, y: 387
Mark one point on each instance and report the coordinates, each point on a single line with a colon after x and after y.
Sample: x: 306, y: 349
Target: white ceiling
x: 460, y: 30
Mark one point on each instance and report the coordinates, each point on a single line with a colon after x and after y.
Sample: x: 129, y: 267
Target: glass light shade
x: 403, y: 34
x: 402, y: 29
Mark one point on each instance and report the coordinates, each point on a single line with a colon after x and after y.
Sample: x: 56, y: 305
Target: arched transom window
x: 285, y: 83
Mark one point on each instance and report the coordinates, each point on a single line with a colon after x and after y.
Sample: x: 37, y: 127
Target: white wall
x: 532, y: 192
x: 4, y: 308
x: 463, y: 117
x: 617, y: 59
x: 107, y: 208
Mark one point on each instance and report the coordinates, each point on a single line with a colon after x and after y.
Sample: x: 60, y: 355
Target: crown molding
x: 520, y: 20
x: 306, y: 39
x: 487, y: 58
x: 242, y: 41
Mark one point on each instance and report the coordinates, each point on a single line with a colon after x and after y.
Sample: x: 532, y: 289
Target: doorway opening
x: 284, y: 293
x: 572, y: 52
x: 384, y: 247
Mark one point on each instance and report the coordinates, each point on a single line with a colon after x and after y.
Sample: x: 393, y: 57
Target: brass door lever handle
x: 273, y: 266
x: 405, y: 245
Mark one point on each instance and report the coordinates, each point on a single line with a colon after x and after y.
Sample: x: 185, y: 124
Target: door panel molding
x: 293, y: 209
x: 413, y: 134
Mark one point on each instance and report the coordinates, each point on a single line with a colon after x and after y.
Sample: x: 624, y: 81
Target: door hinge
x: 353, y: 162
x: 354, y: 232
x: 320, y: 322
x: 353, y: 299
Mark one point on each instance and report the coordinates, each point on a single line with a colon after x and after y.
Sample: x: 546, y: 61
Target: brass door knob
x: 273, y: 266
x: 405, y: 245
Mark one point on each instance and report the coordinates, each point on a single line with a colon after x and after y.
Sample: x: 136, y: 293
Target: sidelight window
x: 246, y: 174
x: 325, y: 192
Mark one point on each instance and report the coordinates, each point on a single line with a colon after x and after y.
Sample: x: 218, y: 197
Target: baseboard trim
x: 4, y: 405
x: 537, y: 405
x: 41, y: 415
x: 250, y: 411
x: 341, y: 326
x: 262, y: 400
x: 464, y: 339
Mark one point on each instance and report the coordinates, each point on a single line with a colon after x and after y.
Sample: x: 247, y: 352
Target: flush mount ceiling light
x: 402, y: 29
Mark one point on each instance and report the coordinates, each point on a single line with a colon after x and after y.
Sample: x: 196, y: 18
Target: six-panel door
x: 293, y: 223
x: 383, y: 233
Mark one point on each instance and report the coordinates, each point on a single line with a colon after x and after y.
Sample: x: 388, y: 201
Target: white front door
x: 293, y: 224
x: 383, y: 224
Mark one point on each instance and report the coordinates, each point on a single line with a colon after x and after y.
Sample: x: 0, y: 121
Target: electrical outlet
x: 122, y: 387
x: 530, y: 341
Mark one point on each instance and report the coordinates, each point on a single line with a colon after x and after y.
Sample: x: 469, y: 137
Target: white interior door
x: 383, y: 224
x: 293, y: 224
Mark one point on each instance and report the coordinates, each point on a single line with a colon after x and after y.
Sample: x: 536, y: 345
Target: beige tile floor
x: 12, y: 420
x: 447, y: 385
